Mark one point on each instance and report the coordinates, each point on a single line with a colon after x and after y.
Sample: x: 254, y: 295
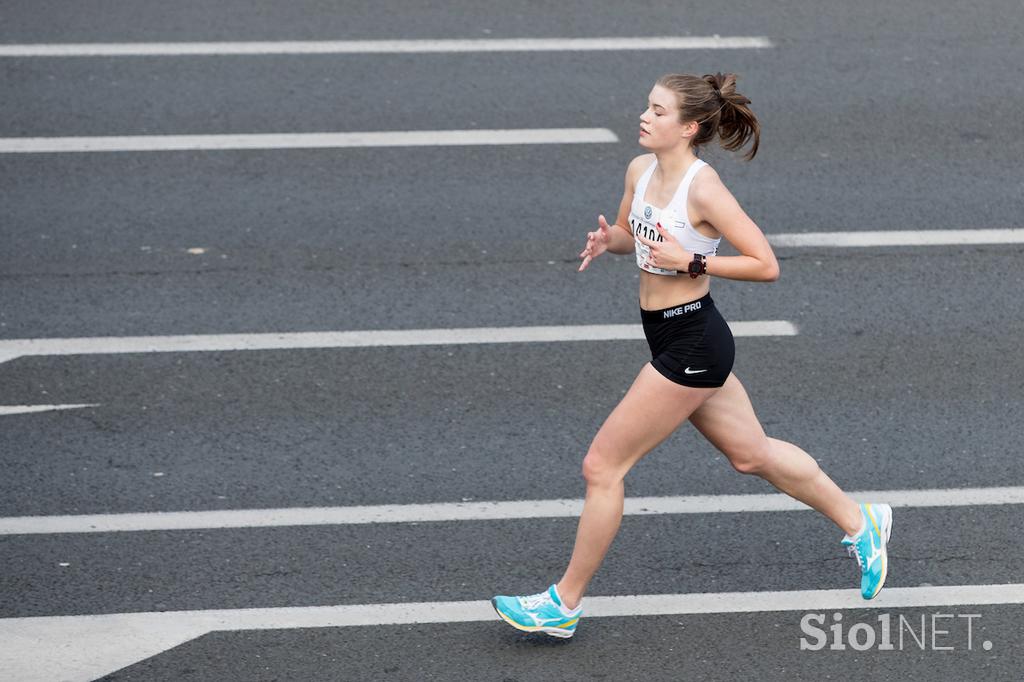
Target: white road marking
x: 900, y: 238
x: 91, y: 646
x: 14, y: 348
x: 397, y: 138
x: 478, y: 511
x: 23, y: 409
x: 617, y: 43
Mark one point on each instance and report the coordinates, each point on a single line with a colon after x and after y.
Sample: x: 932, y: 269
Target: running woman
x: 673, y: 214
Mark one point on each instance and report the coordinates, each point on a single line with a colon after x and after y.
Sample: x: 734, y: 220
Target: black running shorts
x: 691, y: 344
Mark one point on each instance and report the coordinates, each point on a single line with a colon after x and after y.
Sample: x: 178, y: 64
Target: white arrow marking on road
x: 22, y: 409
x: 88, y: 647
x: 13, y: 348
x: 478, y: 511
x: 617, y: 43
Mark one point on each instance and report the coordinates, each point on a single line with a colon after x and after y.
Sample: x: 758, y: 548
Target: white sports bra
x: 643, y: 217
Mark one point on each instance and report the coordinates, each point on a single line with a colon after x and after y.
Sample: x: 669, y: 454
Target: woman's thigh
x: 650, y: 411
x: 728, y: 421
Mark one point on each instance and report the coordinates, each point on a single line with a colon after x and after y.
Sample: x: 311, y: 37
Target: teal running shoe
x: 542, y: 612
x: 869, y: 547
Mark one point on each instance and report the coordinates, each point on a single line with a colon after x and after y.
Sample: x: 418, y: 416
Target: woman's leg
x: 650, y: 411
x: 727, y: 419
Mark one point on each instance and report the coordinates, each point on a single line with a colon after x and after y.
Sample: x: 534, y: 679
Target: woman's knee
x: 751, y: 458
x: 600, y: 469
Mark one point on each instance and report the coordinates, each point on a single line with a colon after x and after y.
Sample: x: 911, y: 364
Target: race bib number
x: 645, y: 227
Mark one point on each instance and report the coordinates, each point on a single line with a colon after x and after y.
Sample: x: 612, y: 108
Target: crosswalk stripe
x: 398, y: 138
x: 86, y: 647
x: 25, y: 409
x: 617, y: 43
x: 478, y: 511
x: 13, y: 348
x: 900, y: 238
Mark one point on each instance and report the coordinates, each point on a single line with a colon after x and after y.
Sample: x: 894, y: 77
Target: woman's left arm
x: 716, y: 205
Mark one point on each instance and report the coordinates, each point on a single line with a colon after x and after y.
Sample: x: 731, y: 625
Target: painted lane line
x: 398, y: 138
x: 478, y: 511
x: 617, y: 43
x: 23, y: 409
x: 899, y: 238
x: 91, y: 646
x: 13, y: 348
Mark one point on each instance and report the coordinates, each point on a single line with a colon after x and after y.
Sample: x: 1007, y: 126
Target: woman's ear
x: 690, y: 129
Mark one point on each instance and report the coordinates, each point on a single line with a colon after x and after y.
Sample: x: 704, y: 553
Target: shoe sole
x: 553, y: 632
x: 886, y: 530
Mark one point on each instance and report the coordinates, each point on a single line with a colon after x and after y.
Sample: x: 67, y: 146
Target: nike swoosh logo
x: 693, y: 371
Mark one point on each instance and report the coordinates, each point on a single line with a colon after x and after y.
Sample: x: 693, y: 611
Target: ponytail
x: 712, y: 101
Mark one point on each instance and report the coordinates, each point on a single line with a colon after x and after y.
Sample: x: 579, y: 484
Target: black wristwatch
x: 698, y: 266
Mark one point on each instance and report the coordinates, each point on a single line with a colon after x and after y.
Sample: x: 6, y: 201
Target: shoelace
x: 853, y: 551
x: 534, y: 600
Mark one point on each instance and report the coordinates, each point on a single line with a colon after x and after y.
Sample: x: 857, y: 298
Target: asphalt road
x: 906, y: 373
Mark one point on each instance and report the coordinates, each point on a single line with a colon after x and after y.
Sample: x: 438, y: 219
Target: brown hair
x: 712, y: 101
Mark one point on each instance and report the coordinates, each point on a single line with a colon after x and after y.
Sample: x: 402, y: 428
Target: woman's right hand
x: 597, y: 243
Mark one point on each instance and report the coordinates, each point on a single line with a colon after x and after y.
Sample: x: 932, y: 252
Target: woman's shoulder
x: 642, y: 162
x: 706, y: 185
x: 638, y: 165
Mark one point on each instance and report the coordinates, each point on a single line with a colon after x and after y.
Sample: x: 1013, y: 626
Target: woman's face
x: 659, y: 124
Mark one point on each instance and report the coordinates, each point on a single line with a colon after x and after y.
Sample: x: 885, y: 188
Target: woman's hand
x: 668, y: 254
x: 597, y: 243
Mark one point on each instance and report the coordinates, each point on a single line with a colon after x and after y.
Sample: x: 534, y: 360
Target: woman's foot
x: 869, y: 547
x: 542, y: 612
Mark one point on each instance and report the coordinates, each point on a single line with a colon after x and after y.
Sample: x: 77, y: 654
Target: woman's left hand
x: 668, y: 254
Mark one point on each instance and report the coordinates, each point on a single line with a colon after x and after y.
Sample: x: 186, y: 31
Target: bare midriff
x: 666, y: 291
